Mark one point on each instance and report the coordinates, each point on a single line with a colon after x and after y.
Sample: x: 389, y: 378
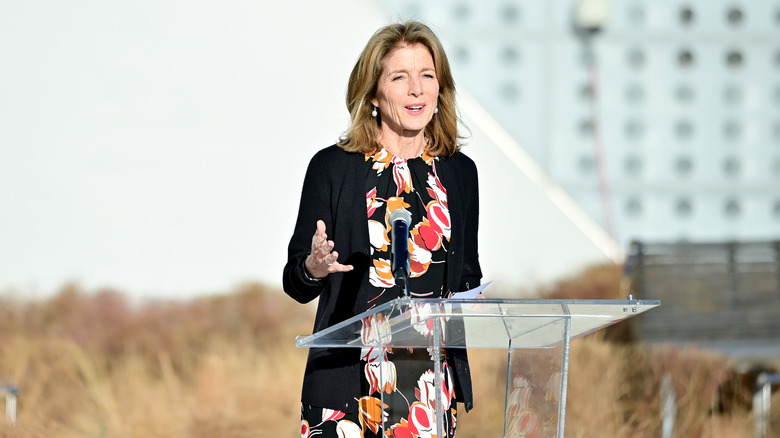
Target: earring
x: 436, y: 110
x: 374, y: 113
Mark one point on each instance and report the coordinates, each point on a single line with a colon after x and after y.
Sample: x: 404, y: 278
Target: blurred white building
x: 663, y: 125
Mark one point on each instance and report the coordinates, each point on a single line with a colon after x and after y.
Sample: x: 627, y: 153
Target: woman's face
x: 408, y: 90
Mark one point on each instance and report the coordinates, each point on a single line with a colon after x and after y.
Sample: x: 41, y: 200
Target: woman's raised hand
x: 323, y: 260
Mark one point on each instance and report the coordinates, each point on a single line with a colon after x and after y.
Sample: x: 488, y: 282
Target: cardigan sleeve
x: 471, y: 273
x: 314, y: 205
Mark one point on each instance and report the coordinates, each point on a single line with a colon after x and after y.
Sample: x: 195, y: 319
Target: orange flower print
x: 428, y: 159
x: 371, y: 203
x: 382, y: 160
x: 372, y: 413
x: 402, y: 176
x: 380, y: 275
x: 394, y: 203
x: 377, y: 235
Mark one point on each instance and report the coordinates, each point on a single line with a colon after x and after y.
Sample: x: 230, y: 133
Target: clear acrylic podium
x: 536, y: 334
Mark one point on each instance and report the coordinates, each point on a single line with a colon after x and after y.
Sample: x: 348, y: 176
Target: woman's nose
x: 415, y: 87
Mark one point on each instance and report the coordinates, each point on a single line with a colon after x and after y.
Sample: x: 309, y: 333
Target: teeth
x: 415, y: 108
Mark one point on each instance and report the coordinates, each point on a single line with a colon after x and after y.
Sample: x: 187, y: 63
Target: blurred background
x: 160, y: 148
x: 152, y: 156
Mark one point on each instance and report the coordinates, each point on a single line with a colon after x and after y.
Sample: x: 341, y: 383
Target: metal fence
x: 721, y: 296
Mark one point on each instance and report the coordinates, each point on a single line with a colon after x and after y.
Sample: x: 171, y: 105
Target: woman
x: 400, y: 152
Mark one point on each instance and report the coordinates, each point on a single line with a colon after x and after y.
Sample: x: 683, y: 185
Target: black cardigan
x: 334, y: 191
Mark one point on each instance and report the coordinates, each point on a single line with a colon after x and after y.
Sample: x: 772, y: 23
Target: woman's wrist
x: 307, y: 273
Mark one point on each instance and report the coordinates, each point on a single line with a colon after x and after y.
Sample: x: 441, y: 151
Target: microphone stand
x: 402, y: 280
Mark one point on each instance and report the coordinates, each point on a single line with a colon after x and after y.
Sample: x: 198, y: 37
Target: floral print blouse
x: 410, y: 184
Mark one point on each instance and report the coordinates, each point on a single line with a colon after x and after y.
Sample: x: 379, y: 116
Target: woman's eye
x: 396, y: 78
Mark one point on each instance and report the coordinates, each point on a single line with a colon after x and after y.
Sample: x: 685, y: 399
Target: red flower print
x: 305, y: 429
x: 436, y: 190
x: 425, y: 390
x: 525, y: 424
x: 421, y: 420
x: 379, y: 371
x: 402, y: 430
x: 439, y: 216
x: 522, y: 421
x: 331, y: 415
x: 371, y: 203
x: 419, y: 258
x: 426, y: 235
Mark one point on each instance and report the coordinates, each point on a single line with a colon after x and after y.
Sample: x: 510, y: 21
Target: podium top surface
x: 474, y: 323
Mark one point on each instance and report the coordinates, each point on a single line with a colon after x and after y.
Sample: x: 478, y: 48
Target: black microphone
x: 400, y: 220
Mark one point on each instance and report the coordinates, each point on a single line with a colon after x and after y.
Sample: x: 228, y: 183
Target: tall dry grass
x: 94, y: 365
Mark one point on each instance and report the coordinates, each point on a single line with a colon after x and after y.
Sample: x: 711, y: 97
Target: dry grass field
x: 90, y: 364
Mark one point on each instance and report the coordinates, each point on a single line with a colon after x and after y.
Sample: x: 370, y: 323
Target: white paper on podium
x: 471, y: 293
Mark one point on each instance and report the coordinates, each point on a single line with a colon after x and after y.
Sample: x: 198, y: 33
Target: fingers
x: 331, y: 261
x: 319, y: 235
x: 338, y: 267
x: 321, y: 249
x: 323, y: 260
x: 329, y: 258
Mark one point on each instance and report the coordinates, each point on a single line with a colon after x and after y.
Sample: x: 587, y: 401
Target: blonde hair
x: 442, y: 131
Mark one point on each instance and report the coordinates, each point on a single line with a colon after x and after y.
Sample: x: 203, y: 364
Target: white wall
x: 159, y: 147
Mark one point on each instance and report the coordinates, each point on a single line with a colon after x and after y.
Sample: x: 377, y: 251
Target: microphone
x: 400, y: 220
